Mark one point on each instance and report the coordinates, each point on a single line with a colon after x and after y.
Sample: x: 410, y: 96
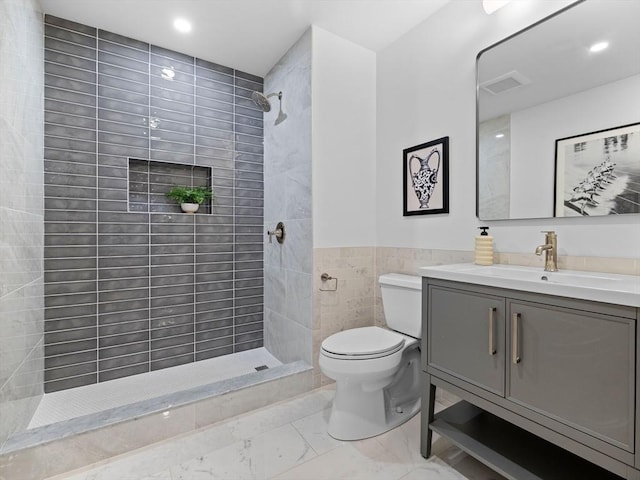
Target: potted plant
x: 190, y: 198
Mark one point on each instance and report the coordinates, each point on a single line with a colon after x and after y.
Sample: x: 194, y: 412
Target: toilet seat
x: 362, y: 343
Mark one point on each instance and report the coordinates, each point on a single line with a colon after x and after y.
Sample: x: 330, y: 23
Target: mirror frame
x: 477, y: 77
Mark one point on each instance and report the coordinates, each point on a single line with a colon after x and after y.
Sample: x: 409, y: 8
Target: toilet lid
x: 365, y: 341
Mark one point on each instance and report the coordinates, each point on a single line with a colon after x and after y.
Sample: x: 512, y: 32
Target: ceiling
x: 248, y: 35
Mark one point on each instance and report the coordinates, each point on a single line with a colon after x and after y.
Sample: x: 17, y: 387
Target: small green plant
x: 197, y: 195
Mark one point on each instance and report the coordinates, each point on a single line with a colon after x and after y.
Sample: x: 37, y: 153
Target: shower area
x: 116, y: 305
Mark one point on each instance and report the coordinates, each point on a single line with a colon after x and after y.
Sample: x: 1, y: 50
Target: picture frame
x: 598, y: 173
x: 425, y: 185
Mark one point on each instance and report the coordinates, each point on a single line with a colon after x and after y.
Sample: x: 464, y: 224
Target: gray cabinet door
x: 466, y: 336
x: 574, y: 366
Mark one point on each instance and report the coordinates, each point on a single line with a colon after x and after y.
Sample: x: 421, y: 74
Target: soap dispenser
x: 484, y: 248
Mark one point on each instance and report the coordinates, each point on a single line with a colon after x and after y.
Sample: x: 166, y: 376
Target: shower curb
x: 53, y: 449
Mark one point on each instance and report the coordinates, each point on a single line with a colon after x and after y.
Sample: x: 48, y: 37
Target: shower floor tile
x: 66, y: 404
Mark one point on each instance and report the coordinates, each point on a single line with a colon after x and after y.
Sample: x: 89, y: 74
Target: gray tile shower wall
x: 131, y: 283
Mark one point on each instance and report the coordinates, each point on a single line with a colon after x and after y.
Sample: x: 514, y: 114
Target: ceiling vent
x: 505, y: 82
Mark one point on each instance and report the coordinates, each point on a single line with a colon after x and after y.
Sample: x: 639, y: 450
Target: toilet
x: 377, y: 370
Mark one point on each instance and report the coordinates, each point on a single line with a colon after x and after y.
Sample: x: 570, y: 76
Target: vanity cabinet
x: 541, y: 368
x: 467, y: 337
x: 574, y: 366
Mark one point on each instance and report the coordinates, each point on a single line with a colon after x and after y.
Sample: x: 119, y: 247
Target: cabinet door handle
x: 515, y: 340
x: 492, y: 319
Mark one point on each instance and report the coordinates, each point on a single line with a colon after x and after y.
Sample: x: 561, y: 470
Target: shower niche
x: 150, y: 181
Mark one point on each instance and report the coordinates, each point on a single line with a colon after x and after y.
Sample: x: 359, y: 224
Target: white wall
x: 426, y: 90
x: 344, y: 142
x: 535, y: 130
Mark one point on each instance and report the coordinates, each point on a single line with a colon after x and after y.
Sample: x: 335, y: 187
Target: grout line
x: 149, y: 229
x: 97, y: 314
x: 195, y: 243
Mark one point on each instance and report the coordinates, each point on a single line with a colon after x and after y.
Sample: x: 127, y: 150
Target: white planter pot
x: 189, y: 207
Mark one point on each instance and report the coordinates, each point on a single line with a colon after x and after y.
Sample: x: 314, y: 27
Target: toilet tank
x: 402, y: 303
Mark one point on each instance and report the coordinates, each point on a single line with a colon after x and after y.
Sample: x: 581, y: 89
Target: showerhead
x: 262, y: 101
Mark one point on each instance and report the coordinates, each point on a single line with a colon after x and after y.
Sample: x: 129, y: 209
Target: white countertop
x: 598, y: 287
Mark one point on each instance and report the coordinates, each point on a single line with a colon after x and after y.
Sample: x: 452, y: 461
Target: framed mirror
x: 558, y: 116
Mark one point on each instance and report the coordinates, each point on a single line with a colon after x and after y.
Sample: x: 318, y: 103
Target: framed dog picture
x: 426, y: 178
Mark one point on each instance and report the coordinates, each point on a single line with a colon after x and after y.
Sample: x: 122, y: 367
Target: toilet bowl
x: 377, y: 370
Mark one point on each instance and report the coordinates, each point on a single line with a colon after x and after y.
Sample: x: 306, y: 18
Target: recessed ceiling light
x: 598, y: 47
x: 500, y: 135
x: 182, y: 25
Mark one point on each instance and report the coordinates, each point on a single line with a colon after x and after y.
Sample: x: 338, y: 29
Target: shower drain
x: 261, y: 367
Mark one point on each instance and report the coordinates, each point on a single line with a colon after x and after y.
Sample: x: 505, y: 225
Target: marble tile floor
x: 288, y: 441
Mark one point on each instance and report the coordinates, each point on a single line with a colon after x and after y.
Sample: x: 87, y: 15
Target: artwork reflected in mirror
x: 547, y: 83
x: 598, y: 173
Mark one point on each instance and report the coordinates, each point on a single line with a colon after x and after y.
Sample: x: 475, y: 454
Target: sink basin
x: 585, y: 279
x: 602, y: 287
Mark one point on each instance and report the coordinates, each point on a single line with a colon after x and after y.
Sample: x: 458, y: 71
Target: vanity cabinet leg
x: 428, y: 405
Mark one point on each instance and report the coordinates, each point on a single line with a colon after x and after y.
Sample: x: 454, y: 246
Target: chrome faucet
x: 550, y: 249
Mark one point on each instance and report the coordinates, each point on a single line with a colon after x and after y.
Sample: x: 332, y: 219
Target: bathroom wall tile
x: 67, y: 287
x: 21, y: 310
x: 204, y: 66
x: 77, y: 370
x: 204, y: 353
x: 154, y: 121
x: 112, y: 374
x: 215, y: 88
x: 211, y: 122
x: 126, y: 61
x: 624, y: 266
x: 21, y: 215
x: 299, y: 294
x: 63, y: 95
x: 173, y: 361
x: 69, y: 25
x: 275, y: 291
x: 283, y: 338
x: 72, y: 382
x: 352, y: 305
x: 63, y: 85
x: 83, y: 69
x: 85, y: 38
x: 171, y: 100
x: 129, y: 351
x: 112, y: 329
x: 21, y: 393
x: 71, y: 311
x: 71, y: 50
x: 254, y: 339
x: 125, y: 361
x: 70, y: 323
x: 118, y: 41
x: 62, y: 360
x: 60, y: 143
